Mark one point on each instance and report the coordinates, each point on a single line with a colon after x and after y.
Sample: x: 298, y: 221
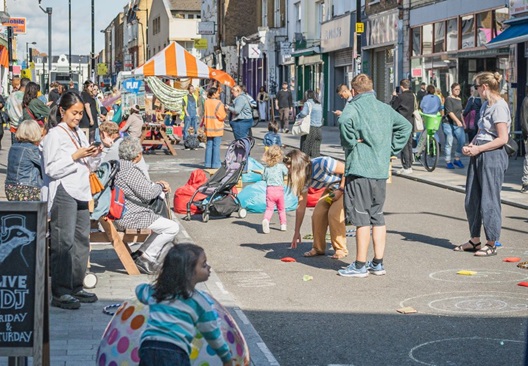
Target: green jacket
x: 384, y: 133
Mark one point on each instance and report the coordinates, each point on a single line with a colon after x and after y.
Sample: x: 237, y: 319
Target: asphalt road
x: 331, y: 320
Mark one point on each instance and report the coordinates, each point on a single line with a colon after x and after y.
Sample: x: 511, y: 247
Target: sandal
x: 465, y: 248
x: 339, y: 254
x: 487, y: 251
x: 312, y: 253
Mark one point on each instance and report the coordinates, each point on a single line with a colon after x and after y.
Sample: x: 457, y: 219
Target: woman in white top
x: 68, y: 159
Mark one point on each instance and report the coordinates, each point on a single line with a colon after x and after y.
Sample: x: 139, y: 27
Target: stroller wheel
x: 187, y: 217
x: 242, y: 213
x: 205, y: 217
x: 90, y: 280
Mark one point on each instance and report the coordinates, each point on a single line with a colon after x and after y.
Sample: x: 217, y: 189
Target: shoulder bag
x: 418, y: 120
x: 301, y: 126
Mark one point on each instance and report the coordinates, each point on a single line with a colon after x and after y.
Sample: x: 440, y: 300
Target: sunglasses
x: 477, y: 86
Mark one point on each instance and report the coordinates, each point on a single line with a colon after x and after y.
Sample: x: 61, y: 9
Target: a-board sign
x: 22, y: 278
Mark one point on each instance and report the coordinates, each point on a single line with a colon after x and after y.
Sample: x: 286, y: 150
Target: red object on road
x: 524, y: 284
x: 183, y: 194
x: 288, y: 259
x: 512, y: 259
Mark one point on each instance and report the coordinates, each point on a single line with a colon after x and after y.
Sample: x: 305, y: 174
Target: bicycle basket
x: 432, y: 121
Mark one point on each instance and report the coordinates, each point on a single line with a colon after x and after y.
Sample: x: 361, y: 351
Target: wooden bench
x: 119, y: 241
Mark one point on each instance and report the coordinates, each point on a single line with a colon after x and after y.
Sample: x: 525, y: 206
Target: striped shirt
x: 176, y: 321
x: 323, y: 173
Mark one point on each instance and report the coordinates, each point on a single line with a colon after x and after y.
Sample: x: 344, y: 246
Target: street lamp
x: 27, y: 52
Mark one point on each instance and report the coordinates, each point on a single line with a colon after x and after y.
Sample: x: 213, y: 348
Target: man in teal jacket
x: 371, y: 132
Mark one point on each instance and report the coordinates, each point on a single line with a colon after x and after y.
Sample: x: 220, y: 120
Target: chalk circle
x: 483, y: 275
x: 469, y: 351
x: 469, y: 303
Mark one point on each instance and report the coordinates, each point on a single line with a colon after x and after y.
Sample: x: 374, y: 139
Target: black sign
x: 22, y: 263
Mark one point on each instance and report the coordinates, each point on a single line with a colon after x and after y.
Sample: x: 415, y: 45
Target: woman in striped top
x: 177, y: 310
x: 321, y: 172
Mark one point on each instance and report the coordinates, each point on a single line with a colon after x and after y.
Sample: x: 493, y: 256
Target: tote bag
x: 301, y: 126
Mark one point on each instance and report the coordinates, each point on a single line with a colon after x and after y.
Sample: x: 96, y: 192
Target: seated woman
x: 139, y: 193
x: 24, y: 169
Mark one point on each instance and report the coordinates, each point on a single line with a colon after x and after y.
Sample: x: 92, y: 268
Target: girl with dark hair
x: 32, y: 107
x: 311, y: 143
x: 177, y: 310
x: 68, y: 159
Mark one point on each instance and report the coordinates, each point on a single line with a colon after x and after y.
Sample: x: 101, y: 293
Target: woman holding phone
x: 68, y: 159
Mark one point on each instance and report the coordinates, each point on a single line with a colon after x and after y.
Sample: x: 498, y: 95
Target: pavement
x: 75, y: 335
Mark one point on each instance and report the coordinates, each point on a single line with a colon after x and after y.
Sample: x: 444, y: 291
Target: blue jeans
x: 241, y: 127
x: 212, y: 152
x: 157, y: 353
x: 450, y: 131
x: 189, y: 121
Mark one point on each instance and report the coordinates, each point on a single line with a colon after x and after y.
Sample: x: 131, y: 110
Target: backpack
x: 117, y: 207
x: 191, y: 142
x: 110, y: 201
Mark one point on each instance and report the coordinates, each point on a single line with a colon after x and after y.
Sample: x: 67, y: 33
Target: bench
x: 119, y: 241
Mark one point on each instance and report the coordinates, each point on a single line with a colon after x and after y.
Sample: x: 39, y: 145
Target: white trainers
x: 283, y: 227
x: 405, y: 171
x: 265, y: 226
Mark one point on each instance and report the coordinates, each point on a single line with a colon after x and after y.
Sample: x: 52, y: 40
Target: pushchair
x: 219, y: 198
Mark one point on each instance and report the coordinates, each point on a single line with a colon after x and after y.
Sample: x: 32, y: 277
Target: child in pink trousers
x: 273, y: 175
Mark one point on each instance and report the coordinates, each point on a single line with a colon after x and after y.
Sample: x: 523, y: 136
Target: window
x: 264, y: 20
x: 416, y: 41
x: 439, y: 37
x: 156, y: 26
x: 452, y: 34
x: 298, y: 17
x: 484, y: 27
x: 319, y: 17
x: 468, y: 31
x: 277, y: 14
x: 427, y: 38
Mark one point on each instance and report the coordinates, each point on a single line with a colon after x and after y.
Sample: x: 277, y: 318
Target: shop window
x: 264, y: 7
x: 439, y: 37
x: 500, y: 16
x: 468, y: 31
x: 427, y: 39
x: 416, y: 41
x: 484, y: 27
x: 452, y: 35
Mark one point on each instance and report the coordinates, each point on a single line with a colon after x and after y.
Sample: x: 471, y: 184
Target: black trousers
x: 406, y: 154
x: 70, y: 243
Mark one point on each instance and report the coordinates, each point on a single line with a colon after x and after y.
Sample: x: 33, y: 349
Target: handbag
x: 301, y: 126
x: 418, y: 120
x: 511, y: 147
x: 95, y: 184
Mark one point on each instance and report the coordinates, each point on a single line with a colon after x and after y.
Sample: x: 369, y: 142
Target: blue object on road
x: 253, y: 198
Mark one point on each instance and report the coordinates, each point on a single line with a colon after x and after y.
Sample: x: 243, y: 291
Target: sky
x: 37, y: 24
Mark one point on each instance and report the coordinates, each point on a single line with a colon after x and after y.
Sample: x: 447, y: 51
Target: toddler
x: 177, y: 309
x: 273, y: 175
x: 272, y: 137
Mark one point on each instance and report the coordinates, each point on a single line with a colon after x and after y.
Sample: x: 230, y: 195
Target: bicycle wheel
x: 430, y: 154
x: 255, y: 121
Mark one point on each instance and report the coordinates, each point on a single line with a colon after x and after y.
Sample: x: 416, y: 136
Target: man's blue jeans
x: 451, y: 130
x: 212, y: 152
x: 189, y: 121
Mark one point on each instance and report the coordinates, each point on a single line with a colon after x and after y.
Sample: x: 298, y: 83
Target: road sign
x: 254, y: 50
x: 360, y: 27
x: 102, y: 69
x: 200, y: 44
x: 206, y: 28
x: 17, y: 24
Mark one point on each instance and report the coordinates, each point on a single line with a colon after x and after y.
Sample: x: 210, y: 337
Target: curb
x: 260, y: 355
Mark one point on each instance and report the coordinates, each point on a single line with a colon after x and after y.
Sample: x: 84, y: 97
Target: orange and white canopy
x: 176, y: 61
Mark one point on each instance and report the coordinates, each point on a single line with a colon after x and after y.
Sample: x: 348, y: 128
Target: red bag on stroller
x: 183, y: 194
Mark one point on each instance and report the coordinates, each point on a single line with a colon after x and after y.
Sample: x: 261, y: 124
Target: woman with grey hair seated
x: 139, y: 192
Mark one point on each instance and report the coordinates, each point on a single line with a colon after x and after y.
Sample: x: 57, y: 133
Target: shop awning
x: 175, y: 61
x: 517, y: 32
x: 306, y: 51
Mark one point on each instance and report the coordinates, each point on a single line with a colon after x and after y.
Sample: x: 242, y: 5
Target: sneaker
x: 458, y: 163
x: 265, y: 226
x: 450, y: 166
x: 85, y: 296
x: 286, y: 130
x: 404, y: 171
x: 66, y: 302
x: 352, y: 271
x: 524, y: 188
x: 283, y: 227
x: 376, y: 270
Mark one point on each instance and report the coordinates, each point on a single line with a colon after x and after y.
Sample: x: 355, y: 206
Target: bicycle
x: 427, y: 149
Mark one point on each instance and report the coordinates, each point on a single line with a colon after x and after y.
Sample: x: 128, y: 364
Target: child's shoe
x: 458, y: 163
x: 265, y: 226
x: 283, y: 227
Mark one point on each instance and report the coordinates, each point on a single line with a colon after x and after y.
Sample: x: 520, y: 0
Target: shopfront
x: 337, y: 43
x: 308, y: 72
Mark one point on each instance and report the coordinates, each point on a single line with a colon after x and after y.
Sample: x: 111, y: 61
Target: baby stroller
x: 220, y: 200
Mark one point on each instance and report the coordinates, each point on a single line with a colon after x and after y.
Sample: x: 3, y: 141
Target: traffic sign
x: 360, y: 27
x: 17, y: 24
x: 200, y: 44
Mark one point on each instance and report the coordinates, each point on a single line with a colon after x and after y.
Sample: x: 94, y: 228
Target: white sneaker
x: 405, y: 171
x: 283, y: 227
x: 265, y: 226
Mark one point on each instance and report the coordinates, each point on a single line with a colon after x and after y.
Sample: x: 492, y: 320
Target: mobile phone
x: 96, y: 143
x: 398, y: 89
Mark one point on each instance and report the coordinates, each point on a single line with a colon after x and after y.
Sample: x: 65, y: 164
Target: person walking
x: 214, y: 117
x: 262, y: 99
x: 88, y: 122
x: 523, y: 119
x: 422, y: 92
x: 284, y: 104
x: 14, y: 108
x: 371, y: 132
x: 243, y: 113
x: 189, y: 106
x: 273, y: 175
x: 328, y: 214
x: 431, y: 103
x: 403, y: 102
x: 487, y: 165
x: 67, y: 160
x: 453, y: 126
x: 472, y: 113
x: 311, y: 143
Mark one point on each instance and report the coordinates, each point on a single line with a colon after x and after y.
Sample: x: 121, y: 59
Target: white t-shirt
x: 489, y: 116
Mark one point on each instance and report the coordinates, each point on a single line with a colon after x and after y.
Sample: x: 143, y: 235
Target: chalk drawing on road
x: 483, y: 275
x: 468, y: 351
x: 469, y: 303
x: 253, y: 279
